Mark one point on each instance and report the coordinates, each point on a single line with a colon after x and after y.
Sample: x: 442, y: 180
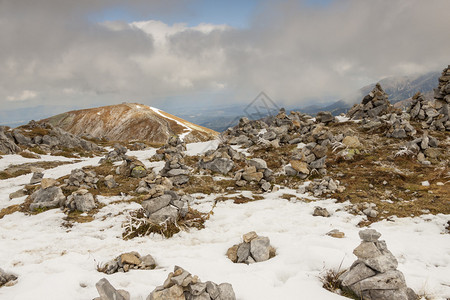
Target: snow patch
x: 181, y: 136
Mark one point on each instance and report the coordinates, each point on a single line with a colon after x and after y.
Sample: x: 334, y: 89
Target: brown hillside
x: 129, y: 121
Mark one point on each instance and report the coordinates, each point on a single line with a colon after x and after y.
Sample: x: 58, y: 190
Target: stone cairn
x: 374, y: 275
x: 128, y: 261
x: 7, y: 278
x: 256, y: 171
x: 167, y: 207
x: 442, y: 101
x: 50, y: 195
x: 253, y: 249
x: 176, y: 170
x: 80, y: 178
x: 38, y: 174
x: 425, y: 148
x: 154, y: 185
x: 117, y: 154
x: 324, y: 186
x: 311, y: 157
x: 222, y: 160
x: 180, y: 285
x: 132, y: 167
x: 374, y: 104
x: 173, y: 148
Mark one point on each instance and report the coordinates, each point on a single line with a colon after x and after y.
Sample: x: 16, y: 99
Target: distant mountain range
x: 399, y: 89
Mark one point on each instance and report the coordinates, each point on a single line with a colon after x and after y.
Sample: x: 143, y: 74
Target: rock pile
x: 132, y: 167
x: 80, y: 200
x: 253, y: 249
x: 7, y: 143
x: 176, y: 170
x: 48, y: 196
x: 425, y: 148
x: 321, y: 212
x: 442, y: 101
x: 324, y: 186
x: 6, y: 278
x: 41, y: 135
x: 166, y: 207
x: 374, y: 275
x: 108, y: 292
x: 256, y: 171
x: 393, y: 125
x: 80, y: 178
x: 374, y: 104
x: 180, y: 284
x: 325, y: 117
x: 311, y: 157
x: 117, y: 154
x: 220, y: 160
x: 128, y: 261
x: 365, y: 208
x: 172, y: 149
x: 154, y: 185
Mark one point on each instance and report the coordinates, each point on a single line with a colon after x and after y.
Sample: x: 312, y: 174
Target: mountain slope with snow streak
x: 130, y: 121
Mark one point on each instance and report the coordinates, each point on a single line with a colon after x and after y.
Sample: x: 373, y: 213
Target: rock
x: 147, y: 261
x: 129, y: 258
x: 259, y: 248
x: 173, y: 293
x: 155, y: 204
x: 324, y: 117
x: 248, y: 237
x: 7, y: 144
x: 110, y: 182
x: 167, y: 213
x: 369, y: 235
x: 258, y: 163
x: 36, y: 178
x: 47, y: 198
x: 318, y: 164
x: 357, y: 273
x: 48, y: 182
x: 81, y: 200
x: 319, y: 151
x: 290, y: 171
x: 6, y: 278
x: 138, y: 172
x: 18, y: 194
x: 336, y: 234
x: 232, y: 253
x: 352, y: 142
x: 108, y: 292
x: 389, y: 280
x: 243, y: 252
x: 300, y: 166
x: 366, y: 250
x: 321, y: 212
x: 219, y: 165
x: 266, y: 186
x: 226, y: 292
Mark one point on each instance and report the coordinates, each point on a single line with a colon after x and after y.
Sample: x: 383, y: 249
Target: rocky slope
x: 129, y: 121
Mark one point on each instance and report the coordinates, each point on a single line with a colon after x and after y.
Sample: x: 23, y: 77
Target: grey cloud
x: 293, y: 51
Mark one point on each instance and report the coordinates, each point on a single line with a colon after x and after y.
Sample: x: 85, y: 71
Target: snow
x: 55, y: 262
x: 425, y: 183
x: 181, y: 136
x: 201, y: 147
x: 342, y: 119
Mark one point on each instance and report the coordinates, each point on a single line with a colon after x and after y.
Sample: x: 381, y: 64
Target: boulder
x: 50, y: 197
x: 108, y: 292
x: 81, y: 200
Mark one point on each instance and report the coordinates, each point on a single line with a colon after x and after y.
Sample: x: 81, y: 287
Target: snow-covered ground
x: 55, y: 262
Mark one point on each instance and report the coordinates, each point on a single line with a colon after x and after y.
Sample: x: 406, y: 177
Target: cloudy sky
x: 88, y: 53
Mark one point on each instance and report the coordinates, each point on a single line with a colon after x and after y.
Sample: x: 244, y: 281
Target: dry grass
x: 330, y: 281
x: 33, y: 132
x: 137, y: 224
x: 239, y: 199
x: 27, y: 154
x: 22, y: 169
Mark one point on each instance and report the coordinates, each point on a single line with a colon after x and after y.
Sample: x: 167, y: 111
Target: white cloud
x: 24, y: 95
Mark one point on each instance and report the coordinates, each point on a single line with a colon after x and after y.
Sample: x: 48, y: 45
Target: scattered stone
x: 336, y: 234
x: 7, y: 278
x: 321, y: 212
x: 181, y: 285
x: 18, y: 194
x: 128, y: 261
x: 324, y: 186
x: 373, y: 276
x: 37, y: 177
x: 108, y: 292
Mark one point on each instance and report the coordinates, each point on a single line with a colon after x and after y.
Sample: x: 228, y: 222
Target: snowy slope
x: 54, y: 262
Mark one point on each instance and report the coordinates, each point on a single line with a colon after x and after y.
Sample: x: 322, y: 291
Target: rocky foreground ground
x: 370, y: 168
